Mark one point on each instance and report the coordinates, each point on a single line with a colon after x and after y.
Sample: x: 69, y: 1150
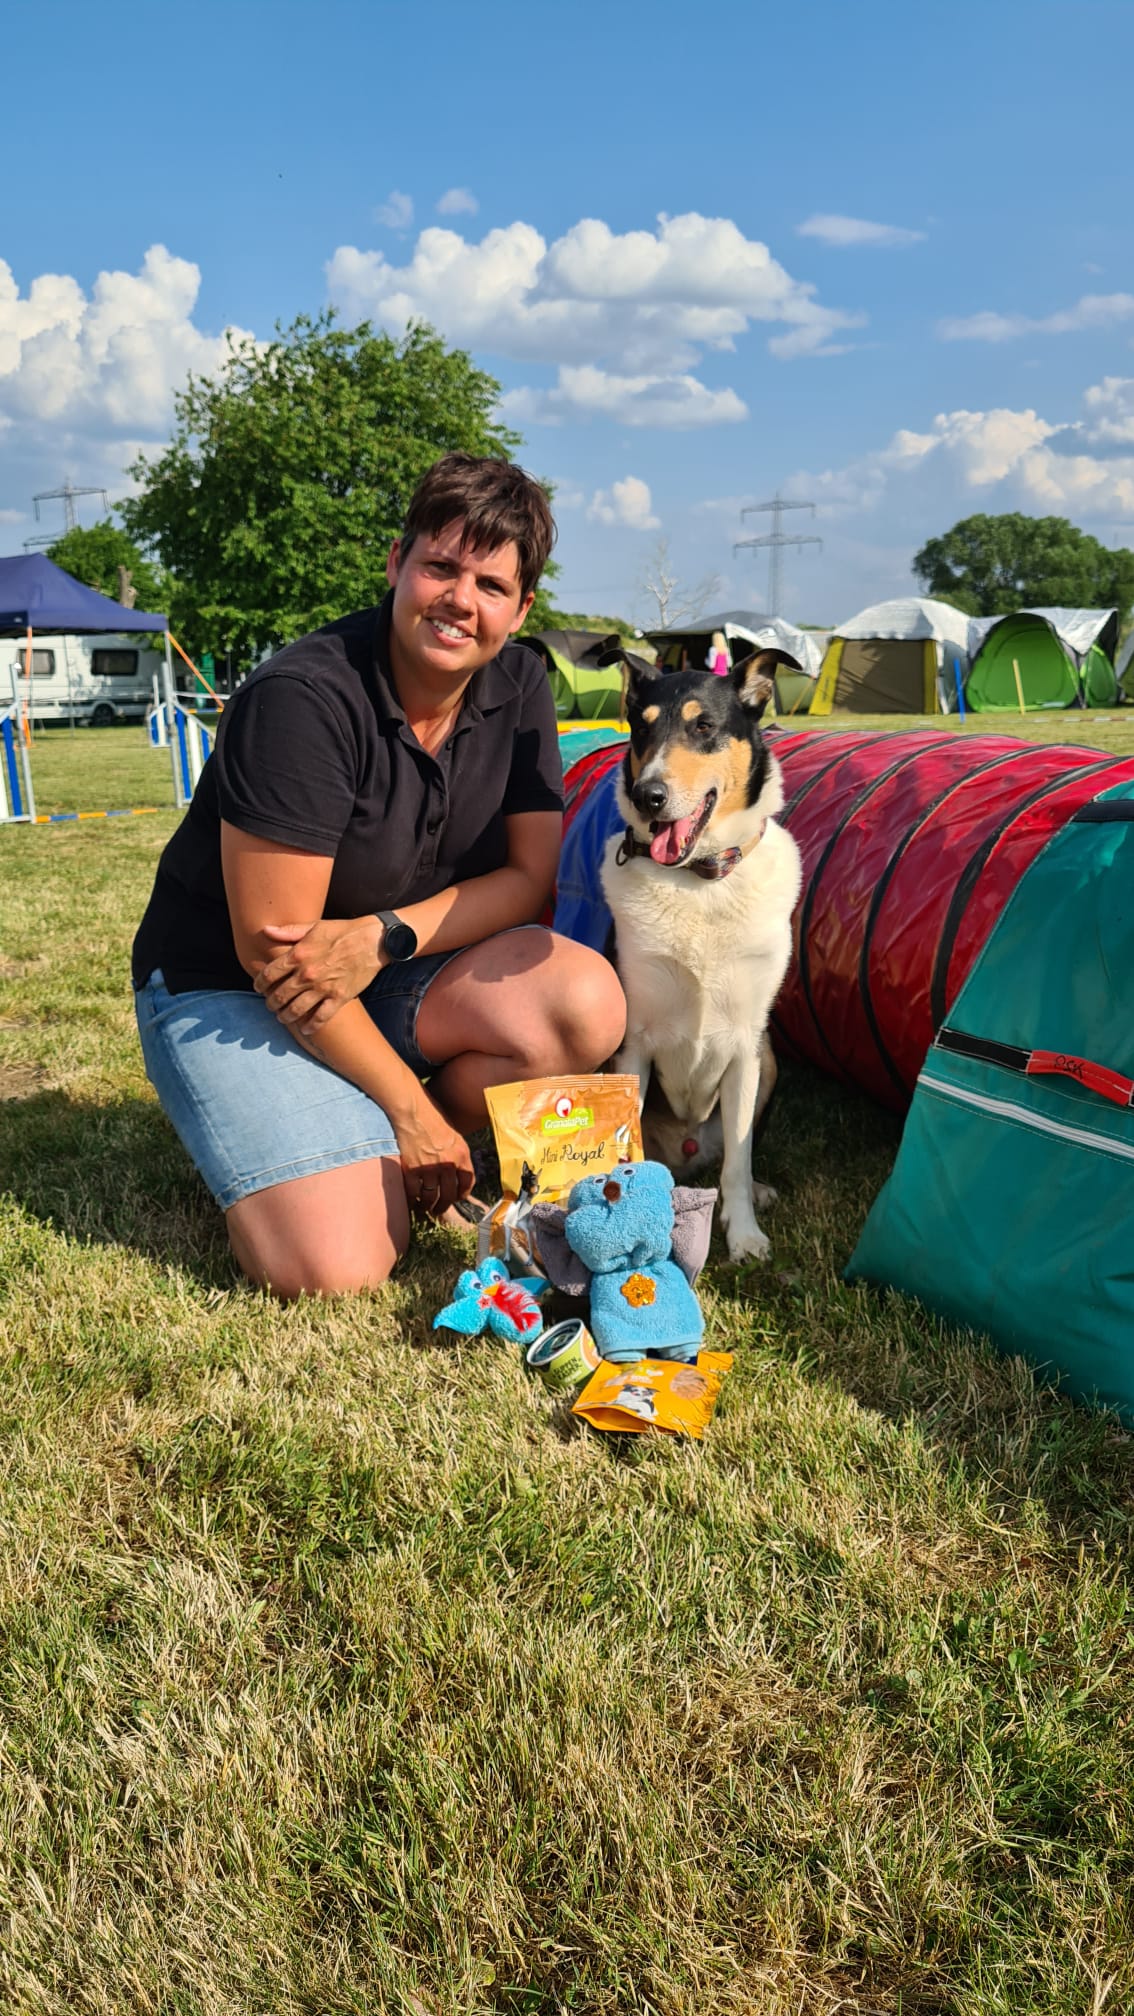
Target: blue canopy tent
x: 37, y: 595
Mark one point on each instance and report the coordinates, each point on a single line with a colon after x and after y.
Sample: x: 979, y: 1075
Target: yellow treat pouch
x: 654, y: 1393
x: 558, y: 1129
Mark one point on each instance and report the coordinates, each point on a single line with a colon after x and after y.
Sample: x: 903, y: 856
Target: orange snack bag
x: 558, y: 1129
x: 655, y: 1393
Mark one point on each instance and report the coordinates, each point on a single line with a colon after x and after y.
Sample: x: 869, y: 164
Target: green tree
x: 289, y: 473
x: 990, y: 566
x: 93, y: 554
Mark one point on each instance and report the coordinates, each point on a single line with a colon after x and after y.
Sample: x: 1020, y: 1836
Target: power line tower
x: 68, y: 493
x: 776, y: 540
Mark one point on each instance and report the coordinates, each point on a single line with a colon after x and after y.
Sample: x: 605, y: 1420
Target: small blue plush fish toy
x: 487, y: 1298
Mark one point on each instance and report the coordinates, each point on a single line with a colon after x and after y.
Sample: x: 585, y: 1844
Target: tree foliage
x: 93, y: 554
x: 990, y: 566
x: 289, y: 473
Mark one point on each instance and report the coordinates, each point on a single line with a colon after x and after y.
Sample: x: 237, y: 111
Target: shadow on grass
x: 1013, y: 1428
x: 113, y: 1172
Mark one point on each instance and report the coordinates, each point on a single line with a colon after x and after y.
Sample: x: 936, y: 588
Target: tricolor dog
x: 702, y: 885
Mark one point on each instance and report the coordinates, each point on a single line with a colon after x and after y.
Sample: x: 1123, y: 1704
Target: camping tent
x: 744, y: 630
x: 895, y: 658
x: 1064, y: 657
x: 583, y: 689
x: 1124, y: 665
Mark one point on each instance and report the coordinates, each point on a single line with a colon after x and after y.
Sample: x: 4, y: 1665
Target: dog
x: 702, y: 885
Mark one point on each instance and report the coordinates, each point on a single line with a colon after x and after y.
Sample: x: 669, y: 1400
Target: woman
x: 349, y: 904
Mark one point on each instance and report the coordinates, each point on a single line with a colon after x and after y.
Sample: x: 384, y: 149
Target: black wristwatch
x: 399, y: 939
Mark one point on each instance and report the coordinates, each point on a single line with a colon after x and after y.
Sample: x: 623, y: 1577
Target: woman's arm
x: 311, y: 969
x: 265, y: 882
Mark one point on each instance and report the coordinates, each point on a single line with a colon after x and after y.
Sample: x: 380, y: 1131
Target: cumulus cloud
x: 585, y: 392
x: 627, y: 502
x: 1000, y: 460
x: 1091, y: 311
x: 107, y: 362
x: 638, y: 308
x: 396, y: 213
x: 457, y: 203
x: 832, y: 229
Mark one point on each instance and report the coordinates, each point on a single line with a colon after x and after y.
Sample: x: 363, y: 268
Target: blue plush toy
x: 621, y: 1227
x: 487, y: 1298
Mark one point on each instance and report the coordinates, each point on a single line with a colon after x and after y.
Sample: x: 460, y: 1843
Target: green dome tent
x: 583, y: 690
x: 1064, y: 658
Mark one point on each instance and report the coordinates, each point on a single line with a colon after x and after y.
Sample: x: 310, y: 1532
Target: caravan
x: 96, y: 680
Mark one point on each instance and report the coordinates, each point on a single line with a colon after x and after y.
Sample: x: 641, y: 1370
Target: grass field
x: 339, y: 1676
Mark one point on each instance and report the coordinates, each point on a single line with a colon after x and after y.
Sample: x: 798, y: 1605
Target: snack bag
x: 655, y: 1393
x: 558, y: 1129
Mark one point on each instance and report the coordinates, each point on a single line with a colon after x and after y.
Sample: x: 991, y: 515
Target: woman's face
x: 453, y: 610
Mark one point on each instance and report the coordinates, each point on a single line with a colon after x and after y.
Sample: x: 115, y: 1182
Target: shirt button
x: 433, y: 825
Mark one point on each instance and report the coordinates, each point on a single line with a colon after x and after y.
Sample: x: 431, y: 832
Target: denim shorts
x: 251, y: 1107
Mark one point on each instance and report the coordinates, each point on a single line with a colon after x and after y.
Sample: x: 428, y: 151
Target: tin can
x: 564, y: 1356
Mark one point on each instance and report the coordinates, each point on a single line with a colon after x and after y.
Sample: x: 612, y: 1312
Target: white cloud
x: 107, y: 362
x: 636, y: 308
x: 1000, y: 460
x: 1091, y: 311
x: 844, y: 231
x: 567, y: 495
x: 585, y: 392
x: 396, y: 213
x: 12, y: 517
x: 627, y: 502
x: 457, y: 203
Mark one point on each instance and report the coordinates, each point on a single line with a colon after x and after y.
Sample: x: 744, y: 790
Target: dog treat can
x: 564, y: 1356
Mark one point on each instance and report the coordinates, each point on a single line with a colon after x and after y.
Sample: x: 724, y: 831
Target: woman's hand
x: 436, y: 1164
x: 318, y: 967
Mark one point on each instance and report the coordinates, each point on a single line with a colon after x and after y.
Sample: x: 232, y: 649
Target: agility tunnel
x: 966, y: 926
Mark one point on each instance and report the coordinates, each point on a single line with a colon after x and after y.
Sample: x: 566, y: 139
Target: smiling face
x: 696, y: 754
x: 453, y: 610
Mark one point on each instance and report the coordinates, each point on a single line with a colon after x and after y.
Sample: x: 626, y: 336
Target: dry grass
x: 338, y: 1675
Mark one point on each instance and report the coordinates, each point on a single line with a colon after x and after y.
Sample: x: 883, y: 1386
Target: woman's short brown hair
x: 497, y: 500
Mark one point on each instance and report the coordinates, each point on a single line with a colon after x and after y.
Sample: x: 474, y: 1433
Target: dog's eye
x: 702, y: 725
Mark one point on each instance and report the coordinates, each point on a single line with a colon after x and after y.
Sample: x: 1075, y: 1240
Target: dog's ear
x: 636, y: 671
x: 754, y: 678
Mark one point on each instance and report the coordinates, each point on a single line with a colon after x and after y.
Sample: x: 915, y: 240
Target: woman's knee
x: 585, y: 1009
x: 345, y: 1233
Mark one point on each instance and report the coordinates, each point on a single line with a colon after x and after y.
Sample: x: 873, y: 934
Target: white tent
x: 896, y: 657
x: 744, y: 630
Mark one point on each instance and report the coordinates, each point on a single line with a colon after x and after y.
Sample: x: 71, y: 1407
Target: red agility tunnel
x: 911, y: 845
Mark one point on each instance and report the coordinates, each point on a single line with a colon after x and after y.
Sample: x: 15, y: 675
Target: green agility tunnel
x: 1064, y: 658
x: 1011, y: 1202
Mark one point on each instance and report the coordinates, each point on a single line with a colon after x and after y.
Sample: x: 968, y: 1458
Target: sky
x: 876, y: 258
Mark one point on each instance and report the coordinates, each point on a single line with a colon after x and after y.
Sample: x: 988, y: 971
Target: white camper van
x: 95, y: 679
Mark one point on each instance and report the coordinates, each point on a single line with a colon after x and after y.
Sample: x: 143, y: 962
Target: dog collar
x: 710, y: 867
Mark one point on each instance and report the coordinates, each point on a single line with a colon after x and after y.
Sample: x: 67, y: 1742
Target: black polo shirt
x: 314, y: 750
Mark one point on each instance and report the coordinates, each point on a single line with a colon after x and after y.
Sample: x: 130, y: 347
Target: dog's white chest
x: 701, y: 962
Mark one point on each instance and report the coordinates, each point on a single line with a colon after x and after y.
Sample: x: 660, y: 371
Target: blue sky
x: 875, y: 256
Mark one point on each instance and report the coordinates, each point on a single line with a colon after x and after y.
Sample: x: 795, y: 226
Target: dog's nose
x: 648, y: 796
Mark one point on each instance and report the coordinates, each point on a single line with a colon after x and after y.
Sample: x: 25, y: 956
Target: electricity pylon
x: 776, y: 540
x: 68, y: 493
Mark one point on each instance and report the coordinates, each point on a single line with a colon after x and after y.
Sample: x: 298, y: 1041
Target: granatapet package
x: 655, y: 1393
x: 551, y: 1131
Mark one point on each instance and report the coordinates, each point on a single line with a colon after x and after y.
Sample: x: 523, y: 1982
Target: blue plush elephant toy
x: 621, y: 1227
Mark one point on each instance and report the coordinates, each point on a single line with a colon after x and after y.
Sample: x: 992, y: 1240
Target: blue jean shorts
x: 251, y: 1107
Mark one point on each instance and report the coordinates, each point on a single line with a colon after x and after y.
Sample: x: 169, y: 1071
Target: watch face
x: 400, y: 940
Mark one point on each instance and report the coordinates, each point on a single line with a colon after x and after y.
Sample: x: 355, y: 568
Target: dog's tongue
x: 669, y: 842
